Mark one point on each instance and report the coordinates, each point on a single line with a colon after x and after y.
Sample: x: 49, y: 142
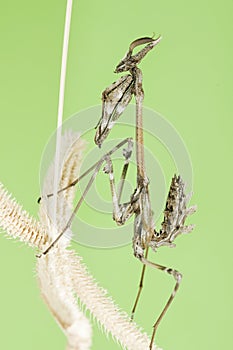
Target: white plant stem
x: 61, y: 102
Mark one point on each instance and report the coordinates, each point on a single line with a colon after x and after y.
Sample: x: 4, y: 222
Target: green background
x: 189, y: 81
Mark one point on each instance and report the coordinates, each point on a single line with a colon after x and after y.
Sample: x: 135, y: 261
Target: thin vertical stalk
x: 61, y: 103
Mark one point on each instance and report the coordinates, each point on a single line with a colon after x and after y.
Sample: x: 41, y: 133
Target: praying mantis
x: 115, y: 99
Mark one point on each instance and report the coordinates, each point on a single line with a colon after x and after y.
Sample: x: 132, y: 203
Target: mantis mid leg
x: 178, y: 277
x: 95, y: 167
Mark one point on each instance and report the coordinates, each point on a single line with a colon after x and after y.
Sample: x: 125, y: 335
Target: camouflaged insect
x: 115, y: 99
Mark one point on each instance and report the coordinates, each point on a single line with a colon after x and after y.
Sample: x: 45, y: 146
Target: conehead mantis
x: 115, y: 99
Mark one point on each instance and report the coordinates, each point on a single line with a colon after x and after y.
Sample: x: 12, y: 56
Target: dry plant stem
x: 105, y: 311
x: 57, y: 291
x: 18, y: 223
x: 53, y: 270
x: 61, y: 273
x: 66, y: 272
x: 55, y: 287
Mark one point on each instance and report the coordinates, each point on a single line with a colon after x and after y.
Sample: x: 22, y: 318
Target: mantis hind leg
x: 178, y: 277
x: 140, y: 286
